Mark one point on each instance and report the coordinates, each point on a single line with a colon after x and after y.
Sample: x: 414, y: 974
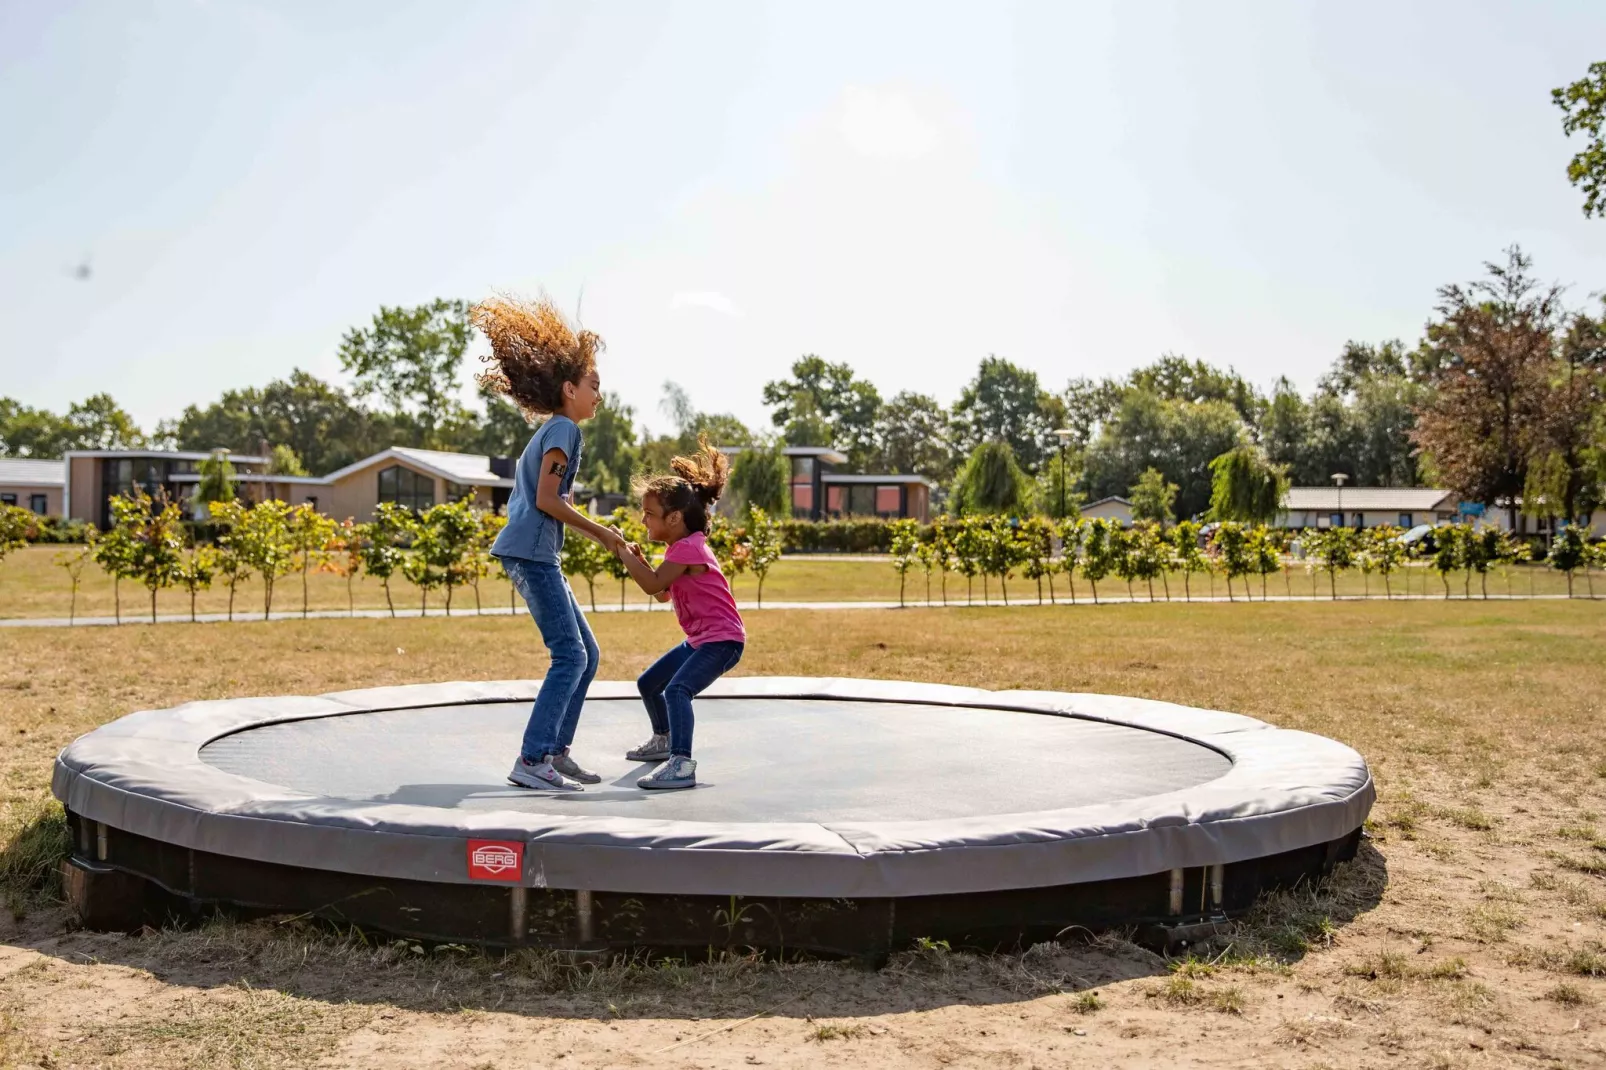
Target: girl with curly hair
x: 675, y: 510
x: 547, y: 368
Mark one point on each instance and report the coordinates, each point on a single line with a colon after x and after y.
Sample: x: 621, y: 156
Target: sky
x: 719, y: 188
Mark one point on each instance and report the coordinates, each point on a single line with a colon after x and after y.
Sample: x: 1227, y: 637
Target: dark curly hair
x: 696, y: 485
x: 534, y: 351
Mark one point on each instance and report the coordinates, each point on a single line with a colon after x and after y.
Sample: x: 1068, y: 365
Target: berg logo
x: 495, y: 860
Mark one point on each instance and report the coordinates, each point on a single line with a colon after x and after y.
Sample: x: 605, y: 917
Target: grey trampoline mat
x: 768, y: 760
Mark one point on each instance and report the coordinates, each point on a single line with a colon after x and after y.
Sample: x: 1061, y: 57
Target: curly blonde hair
x: 534, y: 351
x: 695, y: 487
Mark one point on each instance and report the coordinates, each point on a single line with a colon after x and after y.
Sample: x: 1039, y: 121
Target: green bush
x: 53, y: 530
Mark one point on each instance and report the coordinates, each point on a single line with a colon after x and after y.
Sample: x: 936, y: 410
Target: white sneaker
x: 655, y: 749
x: 676, y: 773
x: 573, y: 769
x: 540, y: 776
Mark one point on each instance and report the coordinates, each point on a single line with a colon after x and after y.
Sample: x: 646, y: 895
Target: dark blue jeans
x: 574, y: 656
x: 669, y: 685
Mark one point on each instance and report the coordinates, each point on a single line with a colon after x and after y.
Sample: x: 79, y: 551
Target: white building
x: 1367, y: 507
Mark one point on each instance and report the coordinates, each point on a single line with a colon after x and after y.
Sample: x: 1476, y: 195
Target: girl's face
x: 583, y: 397
x: 661, y: 526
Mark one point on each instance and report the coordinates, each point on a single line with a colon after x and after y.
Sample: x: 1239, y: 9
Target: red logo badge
x: 495, y: 860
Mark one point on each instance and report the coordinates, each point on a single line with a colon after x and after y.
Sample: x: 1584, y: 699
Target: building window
x: 406, y: 488
x: 887, y: 501
x: 457, y: 492
x: 312, y: 500
x: 802, y: 501
x: 8, y: 499
x: 802, y: 469
x: 1336, y: 520
x: 861, y: 499
x: 1405, y: 521
x: 39, y: 503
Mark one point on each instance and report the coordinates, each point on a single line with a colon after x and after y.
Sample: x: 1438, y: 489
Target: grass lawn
x: 32, y: 585
x: 1470, y: 932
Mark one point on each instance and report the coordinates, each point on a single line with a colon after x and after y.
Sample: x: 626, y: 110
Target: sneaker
x: 655, y: 749
x: 540, y: 776
x: 573, y: 769
x: 677, y: 772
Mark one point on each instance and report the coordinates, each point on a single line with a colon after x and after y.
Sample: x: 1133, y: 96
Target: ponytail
x: 695, y: 487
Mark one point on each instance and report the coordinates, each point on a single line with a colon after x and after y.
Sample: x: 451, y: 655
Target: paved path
x: 746, y: 607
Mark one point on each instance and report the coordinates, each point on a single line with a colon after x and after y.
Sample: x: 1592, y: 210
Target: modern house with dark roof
x: 820, y: 492
x: 32, y: 484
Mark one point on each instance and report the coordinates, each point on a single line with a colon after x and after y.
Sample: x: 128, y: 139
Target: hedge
x: 865, y: 536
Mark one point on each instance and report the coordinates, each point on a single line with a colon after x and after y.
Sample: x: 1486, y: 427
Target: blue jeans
x: 668, y: 685
x: 574, y: 656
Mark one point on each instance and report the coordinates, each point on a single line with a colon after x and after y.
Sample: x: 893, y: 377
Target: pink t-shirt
x: 703, y: 602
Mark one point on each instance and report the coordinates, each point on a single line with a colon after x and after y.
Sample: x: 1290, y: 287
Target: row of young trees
x: 445, y: 548
x: 1040, y: 549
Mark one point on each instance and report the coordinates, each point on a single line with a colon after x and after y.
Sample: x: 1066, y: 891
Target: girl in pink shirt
x: 675, y: 510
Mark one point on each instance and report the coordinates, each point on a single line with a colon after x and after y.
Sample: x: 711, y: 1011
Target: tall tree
x: 991, y: 482
x: 316, y: 419
x: 1088, y: 404
x: 1006, y: 403
x: 912, y: 436
x: 1179, y: 438
x: 822, y: 395
x: 1496, y: 337
x: 412, y: 358
x: 1176, y: 378
x: 1152, y: 498
x: 610, y: 455
x: 1246, y: 487
x: 1583, y: 108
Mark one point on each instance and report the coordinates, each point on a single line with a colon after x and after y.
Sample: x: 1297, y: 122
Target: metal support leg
x: 584, y: 918
x: 1218, y: 880
x: 518, y: 905
x: 1175, y: 904
x: 100, y: 841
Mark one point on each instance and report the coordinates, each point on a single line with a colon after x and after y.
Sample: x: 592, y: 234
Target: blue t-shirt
x: 531, y: 534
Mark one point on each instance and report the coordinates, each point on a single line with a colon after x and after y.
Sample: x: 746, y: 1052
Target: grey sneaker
x: 677, y: 772
x: 573, y: 769
x: 655, y: 749
x: 540, y: 776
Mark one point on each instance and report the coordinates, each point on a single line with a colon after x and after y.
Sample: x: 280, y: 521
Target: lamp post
x: 1064, y: 434
x: 1339, y: 478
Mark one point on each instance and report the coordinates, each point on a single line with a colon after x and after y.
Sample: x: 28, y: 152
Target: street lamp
x: 1064, y: 434
x: 1339, y: 478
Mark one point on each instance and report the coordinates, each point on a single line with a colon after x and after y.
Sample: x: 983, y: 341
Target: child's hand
x: 636, y: 549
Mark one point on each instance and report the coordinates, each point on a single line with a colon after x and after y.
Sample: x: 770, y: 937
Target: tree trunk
x: 621, y: 594
x: 232, y: 584
x: 970, y: 590
x: 591, y: 588
x: 1388, y: 591
x: 1589, y: 578
x: 901, y: 578
x: 1569, y: 583
x: 986, y: 591
x: 72, y: 607
x: 1095, y: 585
x: 1187, y: 585
x: 1332, y: 582
x: 117, y: 597
x: 153, y: 605
x: 1165, y: 579
x: 1262, y: 586
x: 479, y: 610
x: 761, y: 591
x: 1051, y: 599
x: 1366, y: 585
x: 1003, y: 586
x: 267, y: 597
x: 1288, y: 584
x: 351, y: 597
x: 306, y: 563
x: 1483, y: 581
x: 1070, y: 579
x: 1151, y: 587
x: 449, y: 599
x: 1039, y: 590
x: 423, y: 601
x: 1444, y: 578
x: 1229, y: 589
x: 943, y: 579
x: 928, y: 589
x: 192, y: 605
x: 388, y: 602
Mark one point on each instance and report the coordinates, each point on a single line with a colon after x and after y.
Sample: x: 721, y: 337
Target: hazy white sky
x: 906, y: 187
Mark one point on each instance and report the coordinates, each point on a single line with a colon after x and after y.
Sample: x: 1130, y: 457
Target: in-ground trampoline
x: 836, y: 816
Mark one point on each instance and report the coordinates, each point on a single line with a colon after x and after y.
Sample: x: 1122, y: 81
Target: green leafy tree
x: 1447, y: 553
x: 825, y: 399
x: 1177, y: 437
x: 195, y: 573
x: 307, y: 532
x: 156, y: 532
x: 1265, y: 554
x: 1099, y: 555
x: 319, y: 421
x: 764, y: 547
x: 342, y: 556
x: 261, y: 535
x: 1152, y: 498
x: 231, y: 564
x: 991, y: 482
x: 905, y: 552
x: 1475, y: 558
x: 586, y: 559
x: 477, y: 557
x: 457, y: 535
x: 116, y: 551
x: 969, y: 545
x: 1006, y: 403
x: 926, y: 558
x: 1594, y: 557
x: 1072, y: 531
x: 1187, y: 554
x: 1003, y: 552
x: 634, y: 531
x: 1583, y: 108
x: 16, y: 526
x: 1387, y: 553
x: 942, y: 552
x: 73, y: 562
x: 1333, y: 549
x: 1123, y: 543
x: 1036, y: 539
x: 1150, y: 553
x: 384, y: 542
x: 1246, y: 487
x: 412, y: 359
x: 1569, y: 551
x: 283, y: 461
x: 216, y: 483
x: 1232, y: 547
x: 760, y: 478
x: 913, y: 434
x: 1056, y: 490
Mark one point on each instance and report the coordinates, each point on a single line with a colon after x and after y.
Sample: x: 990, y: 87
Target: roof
x: 473, y: 469
x: 824, y: 453
x: 27, y: 472
x: 175, y: 455
x: 844, y: 477
x: 1114, y: 499
x: 1363, y: 499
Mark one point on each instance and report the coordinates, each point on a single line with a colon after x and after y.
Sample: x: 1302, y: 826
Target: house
x: 1367, y: 507
x: 412, y: 477
x: 33, y: 485
x: 1113, y: 508
x: 820, y: 492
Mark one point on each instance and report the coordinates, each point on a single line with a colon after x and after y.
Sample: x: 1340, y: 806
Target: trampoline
x: 835, y: 816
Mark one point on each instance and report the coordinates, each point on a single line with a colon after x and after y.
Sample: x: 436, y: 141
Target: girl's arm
x: 654, y: 581
x: 547, y: 499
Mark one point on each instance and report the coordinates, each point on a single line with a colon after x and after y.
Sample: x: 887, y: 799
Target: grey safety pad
x: 814, y: 787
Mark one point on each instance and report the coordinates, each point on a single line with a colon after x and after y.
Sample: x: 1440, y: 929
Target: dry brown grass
x: 1473, y: 919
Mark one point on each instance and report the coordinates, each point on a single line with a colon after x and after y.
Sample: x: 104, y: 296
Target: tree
x: 1387, y: 553
x: 1232, y: 546
x: 905, y: 546
x: 382, y: 542
x: 1150, y: 554
x: 942, y: 552
x: 968, y: 544
x: 1177, y: 437
x: 1570, y: 551
x: 479, y: 557
x: 1496, y: 340
x: 318, y: 420
x: 1072, y: 530
x: 1188, y: 556
x: 1246, y: 487
x: 1334, y: 550
x: 116, y: 551
x: 1006, y: 403
x: 1265, y: 554
x: 195, y: 572
x: 1003, y: 551
x: 1056, y: 493
x: 231, y: 565
x: 586, y: 559
x: 1595, y: 558
x: 1152, y: 497
x: 342, y: 556
x: 1175, y: 378
x: 216, y: 484
x: 760, y: 478
x: 763, y: 546
x: 307, y: 532
x: 1088, y: 405
x: 1447, y: 553
x: 156, y: 540
x: 282, y: 461
x: 73, y: 563
x: 821, y: 396
x: 1098, y: 554
x: 991, y: 481
x: 99, y: 423
x: 412, y: 359
x: 1583, y: 108
x: 16, y: 526
x: 913, y: 436
x: 1036, y: 538
x: 261, y: 536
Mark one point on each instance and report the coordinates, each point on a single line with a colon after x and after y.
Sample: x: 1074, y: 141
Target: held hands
x: 633, y: 548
